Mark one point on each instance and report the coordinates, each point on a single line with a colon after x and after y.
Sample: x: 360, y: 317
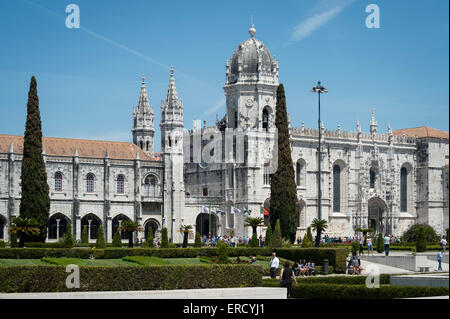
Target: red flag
x: 266, y: 212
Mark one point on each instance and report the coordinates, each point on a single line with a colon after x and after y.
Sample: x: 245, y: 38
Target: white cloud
x: 328, y: 10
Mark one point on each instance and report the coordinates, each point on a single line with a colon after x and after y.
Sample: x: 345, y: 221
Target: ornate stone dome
x: 251, y: 58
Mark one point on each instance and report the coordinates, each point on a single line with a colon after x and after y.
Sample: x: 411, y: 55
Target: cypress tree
x: 117, y: 240
x: 277, y: 241
x: 165, y: 239
x: 198, y: 241
x: 35, y: 201
x: 84, y: 236
x: 68, y: 241
x: 149, y: 241
x: 309, y: 234
x: 269, y: 236
x: 100, y: 243
x: 254, y: 241
x: 380, y: 243
x: 283, y: 189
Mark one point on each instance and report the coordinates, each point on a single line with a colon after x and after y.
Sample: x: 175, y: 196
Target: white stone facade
x: 386, y: 181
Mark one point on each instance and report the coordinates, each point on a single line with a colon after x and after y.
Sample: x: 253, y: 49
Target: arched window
x: 90, y: 183
x: 141, y: 145
x: 58, y: 182
x: 116, y: 223
x: 2, y: 228
x: 120, y: 184
x: 147, y: 145
x: 235, y: 119
x: 150, y: 186
x: 267, y: 175
x: 336, y: 188
x: 372, y: 178
x: 265, y: 120
x: 300, y: 173
x: 57, y: 226
x: 92, y: 223
x: 403, y: 189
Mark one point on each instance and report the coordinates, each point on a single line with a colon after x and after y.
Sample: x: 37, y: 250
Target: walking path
x: 218, y: 293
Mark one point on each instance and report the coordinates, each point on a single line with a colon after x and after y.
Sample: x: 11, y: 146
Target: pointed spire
x: 172, y: 95
x: 389, y: 129
x: 107, y: 152
x: 76, y: 152
x: 137, y: 154
x: 373, y: 123
x: 43, y: 150
x: 358, y: 127
x: 143, y: 97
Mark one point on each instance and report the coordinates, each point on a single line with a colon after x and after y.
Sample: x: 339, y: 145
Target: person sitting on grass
x: 296, y: 268
x: 311, y: 269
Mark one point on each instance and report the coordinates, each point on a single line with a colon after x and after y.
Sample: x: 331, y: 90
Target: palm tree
x: 254, y: 222
x: 319, y: 225
x: 130, y: 227
x: 22, y: 227
x: 185, y: 229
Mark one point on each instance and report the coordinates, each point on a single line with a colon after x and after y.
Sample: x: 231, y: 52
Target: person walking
x: 286, y: 277
x: 387, y: 241
x: 439, y: 259
x: 369, y: 246
x: 274, y: 264
x: 361, y: 246
x: 443, y: 244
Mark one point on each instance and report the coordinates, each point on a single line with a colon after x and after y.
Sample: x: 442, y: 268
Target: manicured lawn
x: 21, y: 262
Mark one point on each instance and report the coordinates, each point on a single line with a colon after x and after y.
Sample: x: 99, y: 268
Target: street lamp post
x: 319, y: 89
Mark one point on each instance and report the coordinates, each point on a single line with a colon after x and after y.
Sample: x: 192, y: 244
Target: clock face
x: 249, y: 102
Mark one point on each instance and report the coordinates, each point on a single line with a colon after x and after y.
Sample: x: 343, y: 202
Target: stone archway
x: 153, y: 225
x: 377, y: 215
x: 202, y: 224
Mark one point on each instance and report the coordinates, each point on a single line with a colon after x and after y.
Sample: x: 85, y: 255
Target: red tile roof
x: 422, y: 132
x: 86, y: 148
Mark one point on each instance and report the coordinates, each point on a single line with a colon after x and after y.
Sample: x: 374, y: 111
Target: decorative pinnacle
x: 143, y: 79
x: 171, y: 71
x: 252, y: 30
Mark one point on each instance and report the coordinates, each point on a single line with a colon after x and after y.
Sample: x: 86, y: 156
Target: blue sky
x: 89, y: 78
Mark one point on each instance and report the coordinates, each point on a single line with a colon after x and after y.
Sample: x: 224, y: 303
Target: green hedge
x: 345, y: 291
x: 53, y: 278
x: 336, y: 256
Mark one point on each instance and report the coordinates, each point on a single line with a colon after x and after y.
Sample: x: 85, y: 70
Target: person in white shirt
x: 443, y: 244
x: 274, y: 264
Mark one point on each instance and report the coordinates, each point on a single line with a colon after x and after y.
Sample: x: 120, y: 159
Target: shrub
x: 269, y: 236
x: 117, y: 239
x: 165, y: 239
x: 13, y: 240
x: 84, y: 235
x: 53, y: 278
x: 172, y: 245
x: 198, y: 241
x: 380, y: 243
x: 355, y: 247
x: 306, y: 242
x: 2, y: 244
x: 254, y: 242
x: 421, y: 243
x: 67, y: 240
x: 222, y: 254
x: 309, y: 234
x: 338, y: 280
x: 413, y: 232
x: 100, y: 243
x: 149, y: 240
x: 277, y: 241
